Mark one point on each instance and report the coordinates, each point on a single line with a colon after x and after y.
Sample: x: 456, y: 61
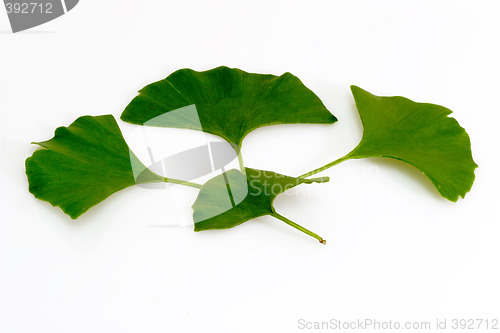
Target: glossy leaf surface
x: 226, y: 102
x: 420, y: 134
x: 84, y: 164
x: 232, y: 198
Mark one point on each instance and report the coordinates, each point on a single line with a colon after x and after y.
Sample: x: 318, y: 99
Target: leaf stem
x: 326, y: 166
x: 182, y: 182
x: 325, y: 179
x: 240, y: 162
x: 298, y: 227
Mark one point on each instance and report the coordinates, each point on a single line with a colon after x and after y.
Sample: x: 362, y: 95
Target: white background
x: 396, y: 250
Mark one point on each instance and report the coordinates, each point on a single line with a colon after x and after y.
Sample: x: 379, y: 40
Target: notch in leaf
x: 233, y: 198
x: 84, y: 164
x: 420, y: 134
x: 227, y: 102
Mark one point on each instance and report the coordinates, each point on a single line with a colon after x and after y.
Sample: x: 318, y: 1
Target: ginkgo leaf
x: 420, y: 134
x: 232, y: 198
x: 227, y: 102
x: 84, y: 164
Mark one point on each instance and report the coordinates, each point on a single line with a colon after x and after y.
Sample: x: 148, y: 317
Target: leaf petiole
x: 326, y: 166
x: 182, y: 182
x: 240, y: 162
x: 298, y: 227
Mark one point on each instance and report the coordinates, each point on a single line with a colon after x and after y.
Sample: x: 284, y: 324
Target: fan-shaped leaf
x: 226, y: 102
x: 84, y: 164
x: 420, y: 134
x: 232, y: 198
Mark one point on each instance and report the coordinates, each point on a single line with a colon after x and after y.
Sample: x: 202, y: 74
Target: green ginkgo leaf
x: 232, y: 198
x: 227, y: 102
x: 84, y: 164
x: 420, y: 134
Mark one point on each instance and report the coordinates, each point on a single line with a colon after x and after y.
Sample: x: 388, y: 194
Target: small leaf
x: 226, y: 102
x: 420, y: 134
x: 84, y: 164
x: 232, y: 198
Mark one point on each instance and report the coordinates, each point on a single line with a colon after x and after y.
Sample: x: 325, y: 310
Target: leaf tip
x: 125, y: 116
x: 358, y: 92
x: 333, y: 119
x: 354, y: 88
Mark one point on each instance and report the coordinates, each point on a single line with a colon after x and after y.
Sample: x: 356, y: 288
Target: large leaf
x: 232, y: 198
x: 420, y: 134
x: 84, y: 164
x: 227, y: 102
